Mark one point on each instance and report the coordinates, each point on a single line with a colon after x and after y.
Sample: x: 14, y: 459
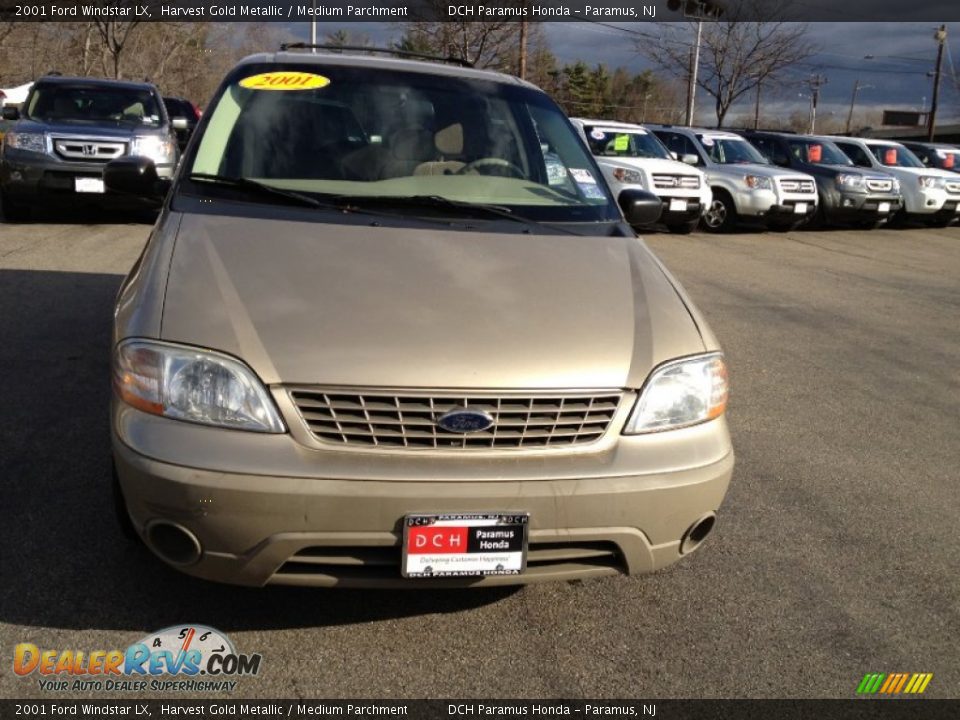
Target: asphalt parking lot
x: 835, y: 555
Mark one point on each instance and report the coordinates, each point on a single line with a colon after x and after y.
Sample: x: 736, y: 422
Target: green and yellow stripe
x: 894, y: 683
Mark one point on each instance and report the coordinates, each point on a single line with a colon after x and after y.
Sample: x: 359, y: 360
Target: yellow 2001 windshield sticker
x: 285, y: 80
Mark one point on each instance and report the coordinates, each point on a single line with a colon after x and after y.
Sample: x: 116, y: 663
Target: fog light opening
x: 174, y: 543
x: 697, y: 533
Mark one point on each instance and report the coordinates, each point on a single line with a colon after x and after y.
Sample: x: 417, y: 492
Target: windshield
x: 818, y: 152
x: 895, y: 156
x: 378, y: 134
x: 730, y: 150
x: 624, y: 142
x: 88, y: 104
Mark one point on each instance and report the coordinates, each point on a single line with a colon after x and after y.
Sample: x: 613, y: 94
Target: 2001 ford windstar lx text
x: 391, y: 328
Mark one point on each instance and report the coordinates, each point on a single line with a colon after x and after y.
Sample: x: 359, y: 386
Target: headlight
x: 928, y: 181
x: 196, y: 385
x: 35, y: 142
x: 681, y: 393
x: 848, y: 181
x: 896, y: 185
x: 758, y: 182
x: 626, y: 175
x: 158, y: 149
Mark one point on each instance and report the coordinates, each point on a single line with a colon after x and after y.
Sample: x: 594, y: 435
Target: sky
x: 893, y: 78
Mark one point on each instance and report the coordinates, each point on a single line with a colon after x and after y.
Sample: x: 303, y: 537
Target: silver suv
x: 69, y: 129
x: 746, y: 187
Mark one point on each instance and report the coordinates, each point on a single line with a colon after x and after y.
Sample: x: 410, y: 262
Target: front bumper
x: 614, y: 510
x: 765, y: 206
x: 691, y: 211
x: 859, y: 207
x: 37, y: 177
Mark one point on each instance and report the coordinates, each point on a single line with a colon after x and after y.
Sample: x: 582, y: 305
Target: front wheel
x: 721, y: 216
x: 13, y: 211
x: 683, y: 228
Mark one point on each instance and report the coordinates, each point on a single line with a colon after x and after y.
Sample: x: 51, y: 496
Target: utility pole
x: 857, y: 87
x: 694, y: 67
x: 756, y: 109
x: 941, y: 37
x: 523, y: 50
x: 815, y: 82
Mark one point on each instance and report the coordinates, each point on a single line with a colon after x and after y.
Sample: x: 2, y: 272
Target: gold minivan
x: 392, y: 329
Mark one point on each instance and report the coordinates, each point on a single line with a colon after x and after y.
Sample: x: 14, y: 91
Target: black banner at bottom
x: 892, y: 709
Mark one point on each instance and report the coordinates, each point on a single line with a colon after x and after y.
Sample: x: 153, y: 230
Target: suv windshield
x: 624, y: 142
x: 370, y: 132
x: 730, y: 150
x: 91, y: 104
x: 895, y: 156
x: 818, y: 152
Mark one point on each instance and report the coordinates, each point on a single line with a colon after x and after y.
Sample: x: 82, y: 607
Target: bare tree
x: 115, y: 36
x: 737, y: 54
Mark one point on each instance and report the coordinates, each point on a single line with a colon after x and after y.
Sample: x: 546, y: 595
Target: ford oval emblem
x: 465, y: 420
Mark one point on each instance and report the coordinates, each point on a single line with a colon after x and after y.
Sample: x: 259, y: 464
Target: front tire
x: 14, y: 211
x: 683, y: 228
x: 721, y: 215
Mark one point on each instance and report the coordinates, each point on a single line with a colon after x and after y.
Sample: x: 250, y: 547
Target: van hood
x: 320, y: 303
x: 104, y: 129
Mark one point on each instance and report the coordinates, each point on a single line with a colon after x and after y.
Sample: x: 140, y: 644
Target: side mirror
x: 179, y: 123
x: 674, y: 155
x: 640, y: 207
x: 11, y: 113
x: 135, y: 175
x: 690, y: 159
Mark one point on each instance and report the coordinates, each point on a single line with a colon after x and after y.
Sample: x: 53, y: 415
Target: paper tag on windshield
x: 583, y: 176
x: 597, y: 134
x: 621, y: 143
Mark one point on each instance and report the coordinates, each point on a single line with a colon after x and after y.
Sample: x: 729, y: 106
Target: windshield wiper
x: 438, y: 201
x: 259, y: 188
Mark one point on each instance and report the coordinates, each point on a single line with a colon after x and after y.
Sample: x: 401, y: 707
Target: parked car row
x: 723, y: 178
x: 57, y: 142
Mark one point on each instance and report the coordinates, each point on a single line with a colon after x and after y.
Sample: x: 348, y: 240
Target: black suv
x: 178, y: 107
x: 848, y: 195
x: 937, y: 155
x: 68, y: 129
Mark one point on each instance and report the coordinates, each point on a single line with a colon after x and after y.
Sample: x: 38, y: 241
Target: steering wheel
x: 512, y: 169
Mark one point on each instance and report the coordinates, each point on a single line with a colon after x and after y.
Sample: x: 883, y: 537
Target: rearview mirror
x: 179, y: 123
x: 135, y: 175
x: 640, y: 207
x: 11, y: 113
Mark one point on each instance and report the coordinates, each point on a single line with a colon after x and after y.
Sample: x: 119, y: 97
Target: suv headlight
x: 680, y: 393
x: 929, y: 181
x: 35, y: 142
x: 849, y: 181
x: 158, y: 149
x: 758, y: 182
x: 195, y: 385
x: 626, y: 175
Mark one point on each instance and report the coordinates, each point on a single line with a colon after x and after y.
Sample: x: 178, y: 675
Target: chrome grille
x: 688, y: 182
x: 796, y: 185
x: 879, y: 185
x: 409, y: 422
x: 88, y: 149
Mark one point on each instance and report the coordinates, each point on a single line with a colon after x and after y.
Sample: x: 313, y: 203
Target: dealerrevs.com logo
x: 186, y: 658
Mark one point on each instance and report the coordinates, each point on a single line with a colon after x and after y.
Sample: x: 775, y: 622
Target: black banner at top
x: 346, y: 11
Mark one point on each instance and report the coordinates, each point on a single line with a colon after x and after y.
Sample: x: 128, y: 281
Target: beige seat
x: 449, y: 144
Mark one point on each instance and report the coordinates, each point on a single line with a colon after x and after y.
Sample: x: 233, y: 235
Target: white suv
x: 930, y: 195
x: 746, y: 187
x: 632, y: 157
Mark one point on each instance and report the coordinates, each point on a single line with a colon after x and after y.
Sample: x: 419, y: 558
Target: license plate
x: 678, y: 205
x: 464, y: 544
x: 800, y: 208
x: 883, y: 208
x: 88, y: 185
